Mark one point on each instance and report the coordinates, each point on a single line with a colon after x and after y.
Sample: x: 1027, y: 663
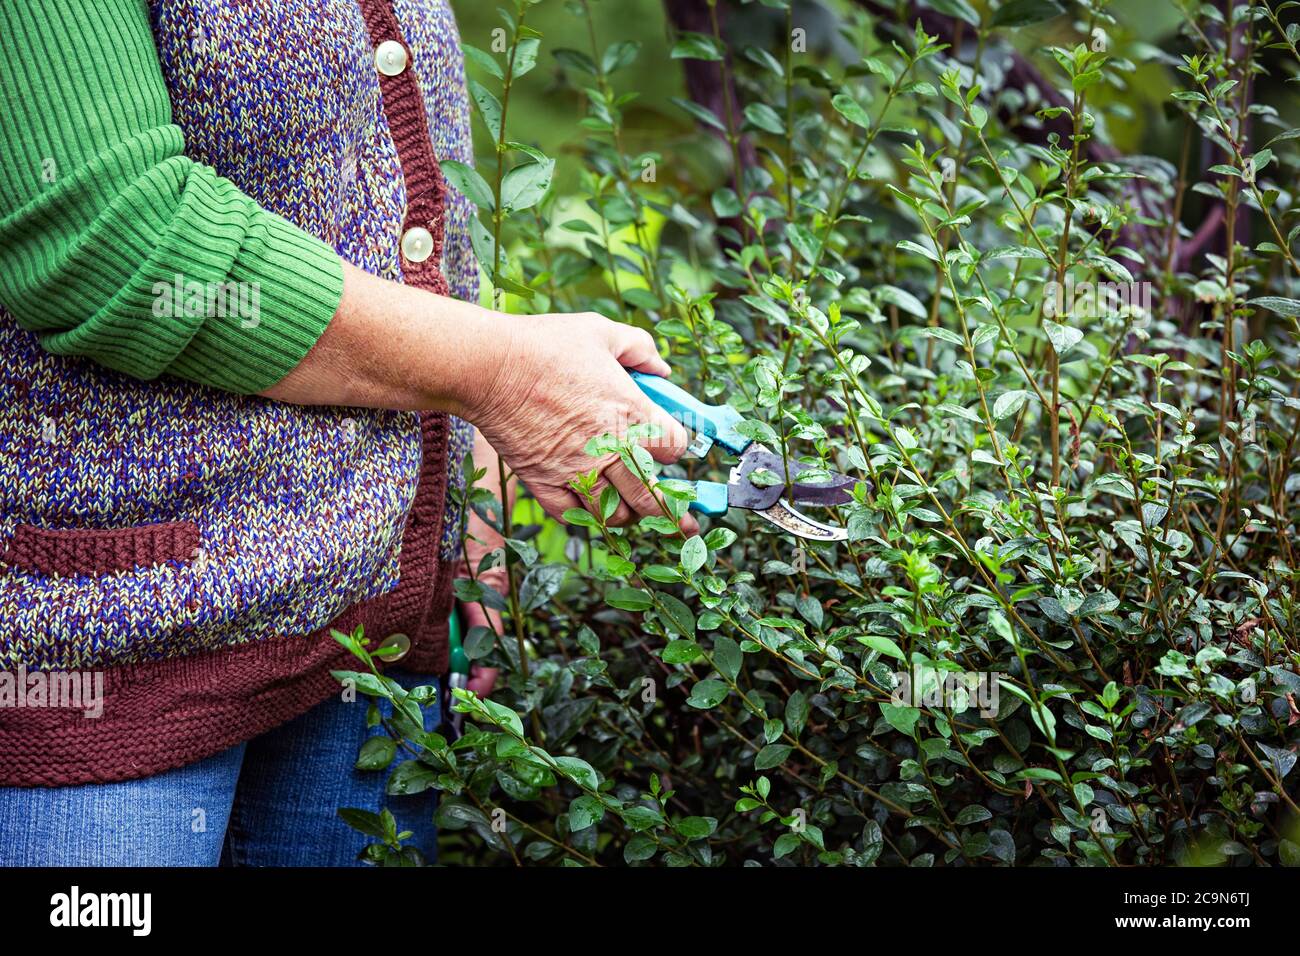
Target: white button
x: 417, y: 244
x: 393, y: 648
x: 390, y: 58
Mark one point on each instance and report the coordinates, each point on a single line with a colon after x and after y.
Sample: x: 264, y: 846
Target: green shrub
x: 1074, y: 420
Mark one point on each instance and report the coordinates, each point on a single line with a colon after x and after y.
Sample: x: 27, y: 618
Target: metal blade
x: 742, y: 493
x: 784, y: 516
x: 837, y: 491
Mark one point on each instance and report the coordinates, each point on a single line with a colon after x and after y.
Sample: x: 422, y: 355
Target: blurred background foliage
x: 1137, y: 119
x: 1136, y: 116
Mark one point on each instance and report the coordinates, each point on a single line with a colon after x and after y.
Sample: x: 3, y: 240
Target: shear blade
x: 788, y: 519
x: 837, y: 491
x: 743, y: 493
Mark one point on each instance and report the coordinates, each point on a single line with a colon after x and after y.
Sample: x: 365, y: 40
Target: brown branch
x: 704, y: 82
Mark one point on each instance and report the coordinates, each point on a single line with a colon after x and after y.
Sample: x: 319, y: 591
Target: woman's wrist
x: 482, y: 345
x: 395, y: 346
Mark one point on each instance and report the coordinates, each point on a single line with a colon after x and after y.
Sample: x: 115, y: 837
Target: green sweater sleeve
x: 103, y: 218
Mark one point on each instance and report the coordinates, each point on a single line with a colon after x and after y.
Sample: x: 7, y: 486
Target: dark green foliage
x: 1081, y: 505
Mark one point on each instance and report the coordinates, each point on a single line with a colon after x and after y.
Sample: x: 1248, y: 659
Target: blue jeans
x: 271, y: 801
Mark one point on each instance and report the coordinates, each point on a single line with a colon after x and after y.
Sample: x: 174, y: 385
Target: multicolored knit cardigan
x: 194, y: 545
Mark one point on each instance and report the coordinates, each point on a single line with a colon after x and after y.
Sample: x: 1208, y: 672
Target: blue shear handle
x: 710, y: 497
x: 717, y: 421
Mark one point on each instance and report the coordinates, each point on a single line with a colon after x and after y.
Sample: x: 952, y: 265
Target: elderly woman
x: 241, y: 359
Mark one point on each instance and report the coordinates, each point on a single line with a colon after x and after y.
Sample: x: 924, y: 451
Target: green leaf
x: 580, y: 517
x: 901, y: 718
x: 377, y: 753
x: 1003, y: 628
x: 804, y: 242
x: 1174, y: 664
x: 1288, y: 853
x: 482, y: 59
x: 411, y: 777
x: 726, y: 204
x: 696, y: 46
x: 585, y: 811
x: 699, y: 112
x: 479, y: 642
x: 720, y: 538
x: 365, y: 821
x: 957, y: 8
x: 524, y: 186
x: 503, y: 716
x: 796, y: 712
x: 1287, y: 307
x: 907, y: 245
x: 707, y: 694
x: 681, y: 652
x: 628, y: 599
x: 972, y: 814
x: 1014, y: 252
x: 1283, y: 760
x: 579, y: 771
x: 694, y: 553
x: 902, y: 299
x: 1044, y: 720
x: 727, y: 656
x: 785, y: 844
x: 540, y: 585
x: 575, y: 60
x: 773, y: 755
x: 1008, y: 403
x: 765, y: 118
x: 851, y: 110
x: 525, y: 57
x: 696, y: 828
x: 639, y: 848
x: 642, y: 817
x: 483, y: 243
x: 618, y: 55
x: 885, y: 645
x: 468, y: 182
x: 680, y: 617
x: 489, y: 108
x: 1020, y: 13
x: 1062, y: 337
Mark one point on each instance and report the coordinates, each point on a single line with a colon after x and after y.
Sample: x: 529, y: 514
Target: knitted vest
x: 196, y: 546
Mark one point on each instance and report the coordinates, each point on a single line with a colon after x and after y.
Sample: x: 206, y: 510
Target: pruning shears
x: 717, y: 425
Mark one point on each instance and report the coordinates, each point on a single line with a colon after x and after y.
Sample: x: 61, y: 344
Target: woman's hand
x: 539, y: 387
x: 564, y: 380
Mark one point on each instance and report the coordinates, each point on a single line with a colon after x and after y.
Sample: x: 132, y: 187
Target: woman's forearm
x: 394, y: 346
x: 537, y: 387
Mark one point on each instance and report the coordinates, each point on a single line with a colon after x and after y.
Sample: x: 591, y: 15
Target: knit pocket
x: 80, y: 553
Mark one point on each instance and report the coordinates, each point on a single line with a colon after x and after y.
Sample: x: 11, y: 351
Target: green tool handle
x: 458, y: 662
x: 718, y: 422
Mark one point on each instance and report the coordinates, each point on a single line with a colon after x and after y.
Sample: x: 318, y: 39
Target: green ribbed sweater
x: 98, y: 204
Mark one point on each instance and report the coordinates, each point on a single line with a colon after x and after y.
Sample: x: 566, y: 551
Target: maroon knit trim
x: 164, y: 714
x: 403, y: 105
x: 423, y: 614
x: 412, y: 603
x: 161, y: 715
x: 72, y: 553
